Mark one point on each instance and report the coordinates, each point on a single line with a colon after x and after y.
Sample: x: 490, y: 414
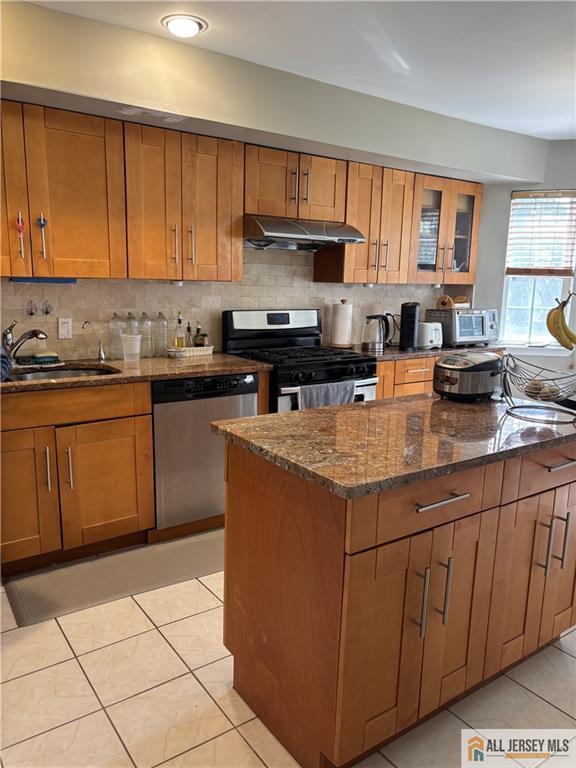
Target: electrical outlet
x: 64, y: 327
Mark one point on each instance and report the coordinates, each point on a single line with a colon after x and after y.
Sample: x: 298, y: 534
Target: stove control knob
x: 297, y: 376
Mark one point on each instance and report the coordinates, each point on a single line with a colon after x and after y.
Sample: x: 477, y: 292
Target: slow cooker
x: 467, y: 376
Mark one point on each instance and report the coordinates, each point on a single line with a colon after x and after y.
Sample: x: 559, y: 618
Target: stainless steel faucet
x: 11, y: 347
x: 101, y: 355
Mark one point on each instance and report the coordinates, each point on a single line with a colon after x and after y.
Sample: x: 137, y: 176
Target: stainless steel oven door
x: 289, y: 397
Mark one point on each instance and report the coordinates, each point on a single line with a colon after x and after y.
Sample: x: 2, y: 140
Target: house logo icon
x: 475, y: 749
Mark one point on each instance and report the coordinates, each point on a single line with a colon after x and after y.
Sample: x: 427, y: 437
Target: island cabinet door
x: 558, y: 610
x: 460, y: 586
x: 519, y: 578
x: 381, y: 645
x: 106, y: 483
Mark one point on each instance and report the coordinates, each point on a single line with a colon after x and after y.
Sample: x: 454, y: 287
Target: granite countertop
x: 356, y: 450
x: 147, y: 369
x: 393, y: 353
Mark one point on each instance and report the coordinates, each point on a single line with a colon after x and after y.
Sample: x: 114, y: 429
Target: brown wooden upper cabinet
x: 75, y: 177
x: 445, y: 224
x: 280, y: 183
x: 184, y: 203
x: 379, y: 204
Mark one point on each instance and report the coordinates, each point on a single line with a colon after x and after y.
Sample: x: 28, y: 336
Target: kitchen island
x: 382, y: 559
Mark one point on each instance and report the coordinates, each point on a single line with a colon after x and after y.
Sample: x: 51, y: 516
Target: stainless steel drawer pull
x: 562, y: 557
x: 296, y: 175
x: 21, y: 227
x: 424, y: 610
x: 42, y: 223
x: 566, y: 465
x: 447, y: 589
x: 375, y: 244
x: 548, y: 562
x: 308, y: 175
x: 417, y: 370
x: 443, y: 502
x: 70, y: 470
x: 385, y: 244
x: 48, y: 474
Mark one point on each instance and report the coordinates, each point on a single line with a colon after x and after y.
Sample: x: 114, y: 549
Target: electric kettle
x: 376, y: 334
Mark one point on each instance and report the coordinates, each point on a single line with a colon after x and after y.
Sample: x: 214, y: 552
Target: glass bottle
x: 179, y: 333
x: 198, y: 341
x: 189, y: 335
x: 131, y: 324
x: 116, y: 327
x: 160, y: 335
x: 145, y: 328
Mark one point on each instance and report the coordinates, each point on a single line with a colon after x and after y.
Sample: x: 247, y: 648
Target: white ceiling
x: 510, y: 65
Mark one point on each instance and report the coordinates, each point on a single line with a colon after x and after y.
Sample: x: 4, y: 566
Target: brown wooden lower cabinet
x: 106, y: 485
x: 426, y: 612
x: 30, y: 511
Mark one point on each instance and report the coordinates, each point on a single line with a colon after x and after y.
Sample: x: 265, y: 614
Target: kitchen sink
x: 66, y: 371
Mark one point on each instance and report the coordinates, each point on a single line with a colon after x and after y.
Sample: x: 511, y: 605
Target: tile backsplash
x: 272, y: 279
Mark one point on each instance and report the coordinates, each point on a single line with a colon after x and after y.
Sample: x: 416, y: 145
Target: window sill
x: 554, y: 350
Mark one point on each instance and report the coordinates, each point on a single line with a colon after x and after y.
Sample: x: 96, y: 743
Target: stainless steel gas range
x: 291, y: 341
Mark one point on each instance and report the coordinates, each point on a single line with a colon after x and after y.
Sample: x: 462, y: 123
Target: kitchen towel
x: 336, y: 393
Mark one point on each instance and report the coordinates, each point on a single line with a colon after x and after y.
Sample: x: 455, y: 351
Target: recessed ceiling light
x: 184, y: 25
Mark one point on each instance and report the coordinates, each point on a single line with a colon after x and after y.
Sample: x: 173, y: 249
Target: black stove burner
x: 296, y: 355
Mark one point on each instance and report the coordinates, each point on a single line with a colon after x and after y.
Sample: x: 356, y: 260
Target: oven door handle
x: 291, y: 391
x: 366, y: 382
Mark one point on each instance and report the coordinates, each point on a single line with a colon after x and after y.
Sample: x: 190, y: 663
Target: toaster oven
x: 466, y: 327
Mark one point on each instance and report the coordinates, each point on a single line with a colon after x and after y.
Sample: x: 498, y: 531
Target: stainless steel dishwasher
x: 188, y: 457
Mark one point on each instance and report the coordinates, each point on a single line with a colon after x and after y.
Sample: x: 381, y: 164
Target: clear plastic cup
x: 131, y: 343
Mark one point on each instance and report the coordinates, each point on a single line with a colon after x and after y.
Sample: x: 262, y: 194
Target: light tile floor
x: 146, y: 681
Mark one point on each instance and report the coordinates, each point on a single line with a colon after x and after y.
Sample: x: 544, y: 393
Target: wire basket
x: 553, y: 391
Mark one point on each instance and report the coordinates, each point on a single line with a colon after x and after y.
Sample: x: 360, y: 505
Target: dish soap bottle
x: 198, y: 341
x: 179, y: 333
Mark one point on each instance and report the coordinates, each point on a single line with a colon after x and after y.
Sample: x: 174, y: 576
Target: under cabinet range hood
x: 265, y: 232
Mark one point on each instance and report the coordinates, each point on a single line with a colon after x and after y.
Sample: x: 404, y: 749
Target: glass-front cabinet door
x: 429, y: 227
x: 462, y: 233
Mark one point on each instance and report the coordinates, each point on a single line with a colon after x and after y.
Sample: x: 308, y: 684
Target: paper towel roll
x: 342, y: 324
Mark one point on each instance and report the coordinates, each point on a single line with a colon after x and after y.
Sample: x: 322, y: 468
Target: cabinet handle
x: 548, y: 562
x: 451, y: 248
x: 417, y: 370
x: 308, y: 174
x: 447, y: 589
x: 42, y: 222
x: 566, y: 521
x: 296, y: 175
x: 385, y: 244
x: 375, y: 265
x: 21, y: 227
x: 70, y: 469
x: 175, y: 252
x: 443, y: 249
x: 424, y: 609
x: 566, y: 465
x: 48, y: 473
x: 192, y: 233
x: 443, y: 502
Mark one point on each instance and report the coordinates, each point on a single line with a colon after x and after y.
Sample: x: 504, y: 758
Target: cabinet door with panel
x: 212, y: 208
x: 30, y: 511
x: 385, y: 590
x: 271, y: 182
x: 154, y: 202
x: 460, y: 587
x: 431, y: 212
x: 395, y: 226
x: 16, y: 257
x: 106, y: 479
x: 322, y: 188
x: 520, y: 568
x: 75, y: 173
x: 559, y: 589
x: 363, y: 203
x: 462, y: 232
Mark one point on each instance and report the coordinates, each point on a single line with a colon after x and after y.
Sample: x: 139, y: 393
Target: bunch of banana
x: 557, y: 325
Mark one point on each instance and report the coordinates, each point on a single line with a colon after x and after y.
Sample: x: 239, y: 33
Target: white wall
x: 102, y: 68
x: 560, y: 173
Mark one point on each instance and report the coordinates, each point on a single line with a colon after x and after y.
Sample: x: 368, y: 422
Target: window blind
x: 542, y: 233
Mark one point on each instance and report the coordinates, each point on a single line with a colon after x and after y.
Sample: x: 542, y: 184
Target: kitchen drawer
x: 377, y: 519
x: 416, y: 388
x: 416, y: 369
x: 547, y: 469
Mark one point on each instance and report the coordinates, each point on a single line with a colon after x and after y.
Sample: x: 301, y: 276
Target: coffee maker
x: 409, y: 317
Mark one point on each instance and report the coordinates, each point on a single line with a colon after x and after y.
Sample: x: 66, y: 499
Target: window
x: 540, y: 262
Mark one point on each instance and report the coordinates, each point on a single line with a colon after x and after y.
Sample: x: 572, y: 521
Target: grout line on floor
x: 100, y: 702
x: 541, y: 697
x: 54, y: 728
x: 194, y: 676
x: 199, y: 578
x: 40, y: 669
x: 109, y: 645
x: 477, y: 730
x: 250, y: 745
x: 572, y: 655
x: 200, y: 744
x: 175, y: 621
